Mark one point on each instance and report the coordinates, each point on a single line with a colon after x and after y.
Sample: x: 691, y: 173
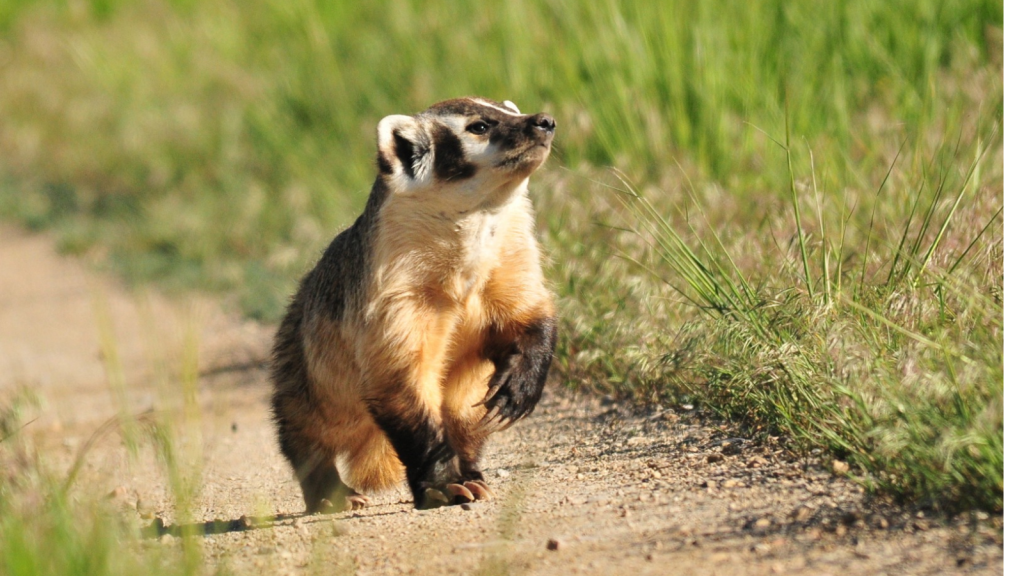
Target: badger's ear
x: 403, y: 147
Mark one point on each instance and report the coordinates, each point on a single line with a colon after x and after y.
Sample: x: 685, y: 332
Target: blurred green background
x: 219, y: 145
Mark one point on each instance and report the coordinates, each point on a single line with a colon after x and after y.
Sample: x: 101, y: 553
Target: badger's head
x: 465, y: 153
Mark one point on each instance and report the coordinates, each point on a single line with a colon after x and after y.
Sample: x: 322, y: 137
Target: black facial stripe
x: 406, y: 152
x: 449, y: 157
x: 383, y: 166
x: 512, y: 135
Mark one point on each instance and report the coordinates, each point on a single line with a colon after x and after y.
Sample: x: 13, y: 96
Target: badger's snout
x: 541, y: 128
x: 542, y: 123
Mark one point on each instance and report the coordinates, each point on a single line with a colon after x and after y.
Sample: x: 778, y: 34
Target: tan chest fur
x: 438, y: 287
x: 446, y: 283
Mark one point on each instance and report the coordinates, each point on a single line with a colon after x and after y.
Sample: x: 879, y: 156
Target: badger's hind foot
x: 341, y: 503
x: 451, y: 494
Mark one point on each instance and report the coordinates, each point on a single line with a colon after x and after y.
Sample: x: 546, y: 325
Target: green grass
x: 891, y: 358
x: 51, y: 524
x: 806, y: 236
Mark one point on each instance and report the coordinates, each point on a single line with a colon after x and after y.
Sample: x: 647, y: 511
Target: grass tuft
x: 902, y: 378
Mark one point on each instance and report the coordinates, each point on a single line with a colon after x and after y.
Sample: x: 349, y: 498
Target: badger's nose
x: 543, y: 122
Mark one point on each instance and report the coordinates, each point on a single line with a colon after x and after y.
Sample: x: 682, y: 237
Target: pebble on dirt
x: 338, y: 528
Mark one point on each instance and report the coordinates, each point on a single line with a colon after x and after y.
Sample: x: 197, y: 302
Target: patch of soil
x: 583, y: 485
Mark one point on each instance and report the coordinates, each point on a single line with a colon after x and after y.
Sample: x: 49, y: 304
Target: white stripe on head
x: 500, y: 109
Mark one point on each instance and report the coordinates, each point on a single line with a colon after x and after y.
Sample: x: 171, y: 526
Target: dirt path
x: 614, y: 492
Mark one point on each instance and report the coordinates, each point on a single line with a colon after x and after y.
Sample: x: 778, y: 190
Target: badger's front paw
x: 451, y: 494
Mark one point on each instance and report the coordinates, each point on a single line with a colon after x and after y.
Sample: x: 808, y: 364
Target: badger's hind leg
x: 310, y: 457
x: 322, y: 488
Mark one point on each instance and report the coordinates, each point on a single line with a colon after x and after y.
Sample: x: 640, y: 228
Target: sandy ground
x: 584, y: 485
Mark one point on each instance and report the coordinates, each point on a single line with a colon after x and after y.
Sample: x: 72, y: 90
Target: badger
x: 426, y: 326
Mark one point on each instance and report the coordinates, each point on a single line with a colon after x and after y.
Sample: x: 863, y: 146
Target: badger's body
x: 426, y: 325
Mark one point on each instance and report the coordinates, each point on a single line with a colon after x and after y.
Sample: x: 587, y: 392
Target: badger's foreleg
x: 405, y: 355
x: 413, y: 427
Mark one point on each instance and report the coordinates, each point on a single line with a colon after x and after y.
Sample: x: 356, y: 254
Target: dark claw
x: 493, y: 414
x: 493, y: 388
x: 491, y: 393
x: 492, y: 426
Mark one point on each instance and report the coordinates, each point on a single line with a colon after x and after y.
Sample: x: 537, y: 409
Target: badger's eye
x: 478, y: 128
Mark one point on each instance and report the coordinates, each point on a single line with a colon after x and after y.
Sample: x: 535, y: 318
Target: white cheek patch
x: 475, y: 148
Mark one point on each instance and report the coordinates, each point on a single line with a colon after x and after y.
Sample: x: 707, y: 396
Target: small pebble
x: 839, y: 467
x: 801, y: 513
x: 338, y: 528
x: 715, y: 457
x: 555, y: 544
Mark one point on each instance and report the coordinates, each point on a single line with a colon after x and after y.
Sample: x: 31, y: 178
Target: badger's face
x: 468, y: 151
